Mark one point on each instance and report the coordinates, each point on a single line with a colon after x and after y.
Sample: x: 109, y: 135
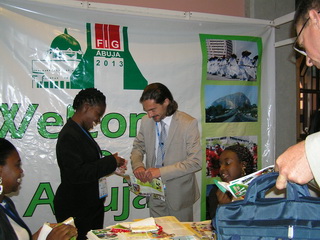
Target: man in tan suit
x: 175, y: 159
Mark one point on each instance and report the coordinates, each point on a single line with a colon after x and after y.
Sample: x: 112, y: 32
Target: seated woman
x: 12, y: 226
x: 235, y: 161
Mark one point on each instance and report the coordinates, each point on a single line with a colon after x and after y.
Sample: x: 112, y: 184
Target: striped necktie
x: 161, y: 146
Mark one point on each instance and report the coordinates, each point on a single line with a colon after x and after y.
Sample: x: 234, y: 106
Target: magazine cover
x: 238, y: 187
x: 101, y: 234
x: 145, y: 188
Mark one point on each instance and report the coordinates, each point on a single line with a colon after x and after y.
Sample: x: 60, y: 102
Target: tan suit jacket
x: 182, y: 157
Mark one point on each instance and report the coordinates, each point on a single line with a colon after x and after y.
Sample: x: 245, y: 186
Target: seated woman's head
x: 235, y: 162
x: 10, y: 168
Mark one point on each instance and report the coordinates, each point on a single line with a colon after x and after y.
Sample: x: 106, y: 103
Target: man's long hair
x: 159, y: 92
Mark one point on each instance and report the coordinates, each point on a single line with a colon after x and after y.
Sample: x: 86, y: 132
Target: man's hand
x: 293, y: 166
x: 140, y: 173
x: 152, y: 173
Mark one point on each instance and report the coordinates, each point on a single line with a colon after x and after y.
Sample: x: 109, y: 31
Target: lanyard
x: 12, y: 215
x: 94, y: 142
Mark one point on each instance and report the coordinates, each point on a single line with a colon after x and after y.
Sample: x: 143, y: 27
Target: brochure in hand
x: 47, y: 227
x: 121, y: 170
x: 238, y: 187
x: 155, y: 187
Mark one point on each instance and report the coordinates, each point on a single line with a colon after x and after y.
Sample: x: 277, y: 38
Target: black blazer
x: 6, y: 230
x: 81, y: 166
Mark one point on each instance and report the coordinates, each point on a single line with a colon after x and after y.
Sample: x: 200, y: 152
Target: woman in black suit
x: 82, y: 165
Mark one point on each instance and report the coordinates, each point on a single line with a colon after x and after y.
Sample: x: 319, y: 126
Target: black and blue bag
x: 297, y: 216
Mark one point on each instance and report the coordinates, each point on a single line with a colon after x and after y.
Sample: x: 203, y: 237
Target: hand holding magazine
x: 121, y: 170
x: 138, y: 187
x: 47, y: 227
x: 238, y: 187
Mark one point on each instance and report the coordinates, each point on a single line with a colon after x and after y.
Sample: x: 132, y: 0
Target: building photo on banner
x: 215, y: 69
x: 231, y: 95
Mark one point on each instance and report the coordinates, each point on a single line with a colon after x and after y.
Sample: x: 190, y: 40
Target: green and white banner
x: 220, y: 70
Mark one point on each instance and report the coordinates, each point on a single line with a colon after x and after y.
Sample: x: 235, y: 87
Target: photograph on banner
x: 231, y: 60
x: 231, y: 103
x: 215, y: 146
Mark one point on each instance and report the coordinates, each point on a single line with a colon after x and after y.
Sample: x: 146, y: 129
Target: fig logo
x: 67, y: 67
x: 107, y: 36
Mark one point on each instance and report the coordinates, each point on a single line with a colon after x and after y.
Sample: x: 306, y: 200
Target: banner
x: 51, y: 51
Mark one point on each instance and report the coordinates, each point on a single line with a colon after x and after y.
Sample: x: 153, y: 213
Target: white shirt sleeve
x: 312, y: 146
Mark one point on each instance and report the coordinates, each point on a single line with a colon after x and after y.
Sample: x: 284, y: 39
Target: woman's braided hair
x: 244, y: 155
x: 91, y: 96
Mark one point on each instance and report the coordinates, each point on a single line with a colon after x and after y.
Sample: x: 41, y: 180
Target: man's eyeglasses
x: 295, y: 45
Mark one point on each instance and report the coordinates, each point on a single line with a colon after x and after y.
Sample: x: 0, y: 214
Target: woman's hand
x: 120, y: 161
x: 223, y: 198
x: 63, y: 232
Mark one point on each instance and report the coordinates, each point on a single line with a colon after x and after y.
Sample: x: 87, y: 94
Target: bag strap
x: 259, y: 186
